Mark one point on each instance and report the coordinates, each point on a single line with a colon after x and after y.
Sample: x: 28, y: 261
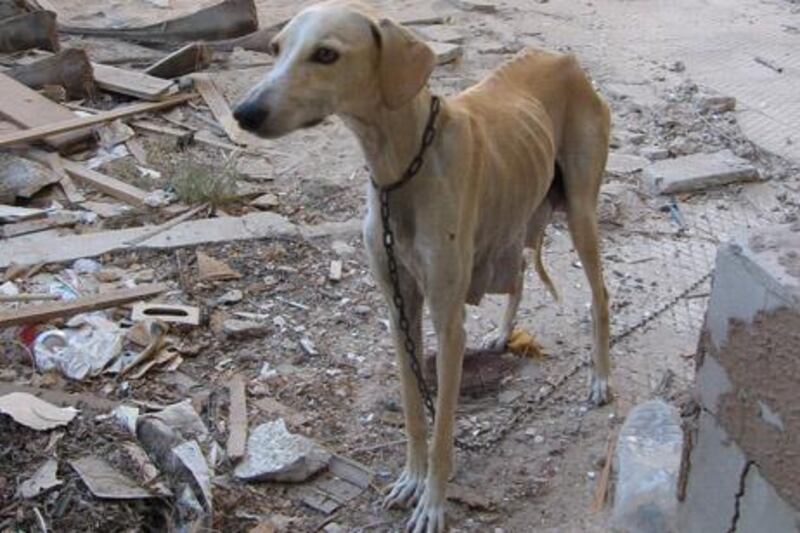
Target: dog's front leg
x: 447, y: 312
x: 409, y: 486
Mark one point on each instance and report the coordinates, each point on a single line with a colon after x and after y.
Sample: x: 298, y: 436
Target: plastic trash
x: 82, y: 351
x: 648, y: 458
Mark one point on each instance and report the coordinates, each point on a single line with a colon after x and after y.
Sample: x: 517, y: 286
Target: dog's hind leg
x: 583, y: 163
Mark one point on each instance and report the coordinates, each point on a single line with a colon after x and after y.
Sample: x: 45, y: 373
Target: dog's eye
x: 276, y: 49
x: 325, y: 55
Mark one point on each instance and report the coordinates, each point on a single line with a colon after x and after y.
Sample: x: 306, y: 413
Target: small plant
x: 195, y: 182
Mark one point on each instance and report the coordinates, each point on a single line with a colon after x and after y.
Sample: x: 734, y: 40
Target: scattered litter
x: 274, y: 454
x: 30, y: 411
x: 42, y: 480
x: 106, y: 482
x: 79, y: 353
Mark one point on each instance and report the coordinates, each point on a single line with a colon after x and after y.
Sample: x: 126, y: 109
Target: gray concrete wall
x: 742, y: 463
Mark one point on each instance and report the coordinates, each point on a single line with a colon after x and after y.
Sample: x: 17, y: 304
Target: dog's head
x: 335, y: 58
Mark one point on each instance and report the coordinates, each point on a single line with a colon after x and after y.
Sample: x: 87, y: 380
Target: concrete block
x: 445, y: 52
x: 715, y: 470
x: 762, y: 509
x: 712, y: 383
x: 698, y: 171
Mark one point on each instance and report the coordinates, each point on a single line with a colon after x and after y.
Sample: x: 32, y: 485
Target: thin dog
x: 496, y: 161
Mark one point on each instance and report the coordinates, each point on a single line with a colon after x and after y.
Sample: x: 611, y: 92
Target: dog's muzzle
x: 250, y: 116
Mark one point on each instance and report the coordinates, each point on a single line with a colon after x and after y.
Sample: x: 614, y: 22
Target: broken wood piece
x: 335, y: 272
x: 105, y: 482
x: 49, y: 127
x: 32, y: 412
x: 29, y: 30
x: 210, y: 269
x: 204, y: 137
x: 169, y: 313
x: 191, y: 58
x: 157, y: 331
x: 105, y: 184
x: 53, y: 221
x: 604, y: 481
x: 237, y: 418
x: 221, y: 111
x: 42, y: 313
x: 28, y: 109
x: 228, y: 19
x: 74, y: 196
x: 131, y: 83
x: 167, y: 225
x: 28, y: 297
x: 258, y: 41
x: 10, y: 213
x: 69, y: 69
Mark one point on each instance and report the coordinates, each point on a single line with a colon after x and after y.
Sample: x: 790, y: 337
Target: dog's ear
x: 405, y: 64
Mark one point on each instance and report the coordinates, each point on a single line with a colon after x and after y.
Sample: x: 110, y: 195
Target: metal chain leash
x: 534, y: 402
x: 391, y: 259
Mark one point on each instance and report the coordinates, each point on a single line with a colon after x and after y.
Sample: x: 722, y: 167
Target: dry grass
x: 195, y: 182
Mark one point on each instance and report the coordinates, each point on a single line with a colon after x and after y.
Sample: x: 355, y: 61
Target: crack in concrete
x: 739, y: 496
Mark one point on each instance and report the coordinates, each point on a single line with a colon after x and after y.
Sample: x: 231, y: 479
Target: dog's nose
x: 250, y: 116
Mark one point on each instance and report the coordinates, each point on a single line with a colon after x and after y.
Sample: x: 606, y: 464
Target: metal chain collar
x: 394, y: 273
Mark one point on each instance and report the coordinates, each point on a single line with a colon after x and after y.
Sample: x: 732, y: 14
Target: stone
x: 231, y: 297
x: 648, y: 459
x: 244, y: 328
x: 445, y: 52
x: 274, y: 454
x: 625, y: 164
x: 709, y: 103
x: 443, y: 34
x: 41, y: 481
x: 697, y: 172
x: 654, y: 153
x: 266, y: 201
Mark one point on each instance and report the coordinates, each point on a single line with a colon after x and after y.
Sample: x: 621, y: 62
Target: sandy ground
x: 536, y: 449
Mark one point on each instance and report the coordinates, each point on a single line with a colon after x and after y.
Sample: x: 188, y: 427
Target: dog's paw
x: 599, y: 391
x: 497, y: 343
x: 428, y: 516
x: 405, y: 491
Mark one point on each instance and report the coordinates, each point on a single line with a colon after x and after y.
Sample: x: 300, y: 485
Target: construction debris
x: 42, y: 480
x: 34, y: 413
x: 106, y: 482
x: 237, y: 418
x: 70, y: 69
x: 697, y: 172
x: 191, y: 58
x: 169, y: 313
x: 226, y: 20
x: 210, y: 269
x: 29, y: 30
x: 274, y: 454
x: 128, y: 82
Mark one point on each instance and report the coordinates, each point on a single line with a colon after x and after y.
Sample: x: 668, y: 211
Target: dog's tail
x: 543, y: 275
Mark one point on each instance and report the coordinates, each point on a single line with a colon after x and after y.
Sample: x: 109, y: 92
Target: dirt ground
x: 535, y: 449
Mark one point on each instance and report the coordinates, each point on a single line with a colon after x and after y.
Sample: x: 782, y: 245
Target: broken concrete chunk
x: 274, y: 454
x: 266, y: 201
x: 442, y: 34
x: 23, y: 178
x: 244, y: 328
x: 106, y: 482
x: 697, y: 172
x: 654, y: 153
x: 41, y: 481
x: 648, y: 458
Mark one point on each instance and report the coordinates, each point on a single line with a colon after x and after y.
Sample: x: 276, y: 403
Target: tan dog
x: 531, y: 137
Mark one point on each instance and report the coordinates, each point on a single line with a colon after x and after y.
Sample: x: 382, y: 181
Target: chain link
x: 394, y: 272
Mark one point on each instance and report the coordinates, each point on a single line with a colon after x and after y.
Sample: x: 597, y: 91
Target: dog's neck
x: 391, y: 138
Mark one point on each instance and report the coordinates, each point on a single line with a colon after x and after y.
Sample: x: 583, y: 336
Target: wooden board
x: 221, y: 111
x: 27, y: 108
x: 131, y: 83
x: 237, y: 418
x: 47, y: 127
x: 36, y: 314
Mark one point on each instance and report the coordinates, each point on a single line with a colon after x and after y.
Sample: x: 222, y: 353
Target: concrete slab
x: 762, y: 509
x: 697, y: 172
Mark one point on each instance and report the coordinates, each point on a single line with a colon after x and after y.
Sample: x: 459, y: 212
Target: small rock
x: 109, y: 275
x: 275, y: 454
x: 677, y: 66
x: 231, y: 297
x: 342, y: 248
x: 266, y: 201
x: 334, y: 528
x: 445, y: 52
x: 508, y: 397
x: 716, y: 103
x: 538, y: 439
x: 86, y: 266
x: 443, y: 34
x: 473, y: 6
x: 362, y: 310
x: 654, y: 153
x: 308, y: 346
x: 243, y: 328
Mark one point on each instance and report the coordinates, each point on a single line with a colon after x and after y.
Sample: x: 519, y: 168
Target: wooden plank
x: 237, y: 418
x: 27, y: 108
x: 74, y: 196
x: 221, y: 111
x: 190, y: 58
x: 47, y: 127
x: 36, y: 314
x: 131, y: 83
